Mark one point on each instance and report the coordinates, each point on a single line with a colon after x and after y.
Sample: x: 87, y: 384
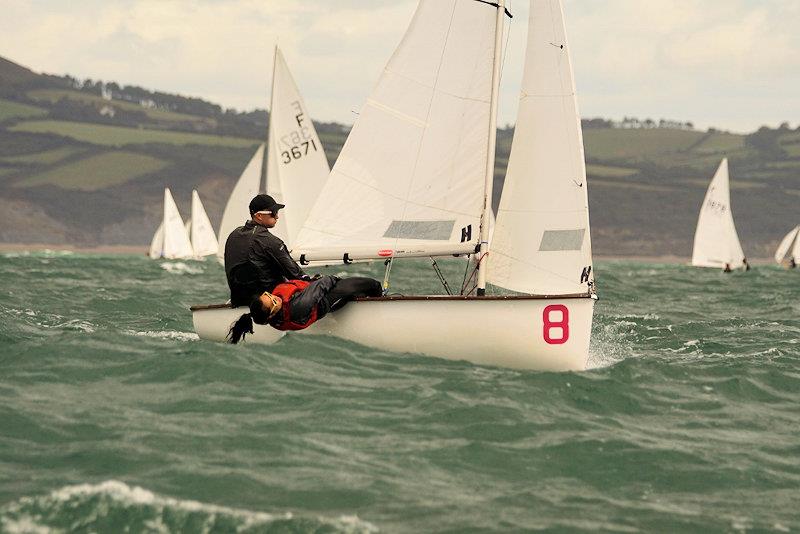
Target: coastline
x: 143, y: 249
x: 61, y: 247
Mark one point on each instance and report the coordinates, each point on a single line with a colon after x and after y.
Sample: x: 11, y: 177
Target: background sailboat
x: 204, y: 242
x: 296, y: 165
x: 171, y: 240
x: 716, y: 242
x: 789, y: 248
x: 412, y: 180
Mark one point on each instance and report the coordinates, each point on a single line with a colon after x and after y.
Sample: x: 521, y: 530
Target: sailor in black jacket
x: 256, y: 260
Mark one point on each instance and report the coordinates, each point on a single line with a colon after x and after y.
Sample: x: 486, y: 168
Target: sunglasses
x: 276, y: 304
x: 268, y: 212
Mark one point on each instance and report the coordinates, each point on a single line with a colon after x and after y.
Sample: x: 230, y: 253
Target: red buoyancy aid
x: 286, y: 291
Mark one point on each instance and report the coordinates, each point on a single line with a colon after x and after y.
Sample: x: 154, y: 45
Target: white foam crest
x: 168, y: 334
x: 136, y: 496
x: 180, y: 267
x: 24, y: 525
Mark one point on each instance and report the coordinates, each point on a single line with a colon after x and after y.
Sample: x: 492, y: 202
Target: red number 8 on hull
x: 550, y: 324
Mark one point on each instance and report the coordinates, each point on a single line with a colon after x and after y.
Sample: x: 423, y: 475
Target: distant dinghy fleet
x: 414, y: 179
x: 175, y: 240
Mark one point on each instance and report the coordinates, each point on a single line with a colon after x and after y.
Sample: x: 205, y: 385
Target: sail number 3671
x: 298, y: 151
x: 556, y: 324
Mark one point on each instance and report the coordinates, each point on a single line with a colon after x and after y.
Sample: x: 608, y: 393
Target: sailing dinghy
x: 414, y: 179
x: 171, y: 240
x: 204, y: 241
x: 788, y: 252
x: 296, y: 166
x: 716, y: 243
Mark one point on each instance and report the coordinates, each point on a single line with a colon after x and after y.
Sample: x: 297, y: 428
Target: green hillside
x: 118, y: 136
x: 91, y: 161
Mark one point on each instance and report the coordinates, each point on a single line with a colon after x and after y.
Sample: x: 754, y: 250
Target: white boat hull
x: 539, y: 333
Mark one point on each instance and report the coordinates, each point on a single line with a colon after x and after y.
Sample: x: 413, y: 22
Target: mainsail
x: 789, y: 245
x: 716, y: 243
x: 410, y: 178
x: 176, y: 240
x: 541, y: 242
x: 204, y: 242
x: 296, y: 165
x: 236, y: 210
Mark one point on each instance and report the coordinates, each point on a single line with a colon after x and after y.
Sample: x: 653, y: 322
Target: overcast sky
x: 732, y: 64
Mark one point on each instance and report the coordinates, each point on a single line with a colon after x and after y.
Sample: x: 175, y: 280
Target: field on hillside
x: 14, y: 110
x: 54, y: 95
x: 118, y: 136
x: 96, y: 172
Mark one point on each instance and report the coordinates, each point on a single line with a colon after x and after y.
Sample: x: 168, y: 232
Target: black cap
x: 264, y: 203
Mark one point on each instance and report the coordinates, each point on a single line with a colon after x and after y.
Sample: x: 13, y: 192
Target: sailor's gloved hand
x: 307, y: 278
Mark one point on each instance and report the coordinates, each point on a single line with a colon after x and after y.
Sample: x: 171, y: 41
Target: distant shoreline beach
x: 142, y: 250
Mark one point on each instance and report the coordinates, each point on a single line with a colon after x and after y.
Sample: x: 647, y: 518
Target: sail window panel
x: 561, y: 240
x: 428, y: 230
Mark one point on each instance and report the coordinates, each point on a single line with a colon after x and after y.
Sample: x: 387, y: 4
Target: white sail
x: 410, y: 176
x: 236, y: 210
x: 716, y: 243
x: 541, y: 242
x: 157, y: 243
x: 176, y: 240
x: 297, y: 167
x: 789, y: 242
x: 204, y: 241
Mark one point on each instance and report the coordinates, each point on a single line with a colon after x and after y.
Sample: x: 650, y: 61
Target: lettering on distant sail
x: 299, y: 142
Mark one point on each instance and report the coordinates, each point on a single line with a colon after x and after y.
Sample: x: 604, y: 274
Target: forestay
x: 204, y: 242
x: 409, y: 180
x: 297, y: 167
x: 176, y: 240
x: 716, y: 243
x: 236, y: 210
x: 789, y: 242
x: 541, y: 242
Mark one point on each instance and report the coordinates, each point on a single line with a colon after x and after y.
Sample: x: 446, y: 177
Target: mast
x: 268, y: 151
x: 483, y: 253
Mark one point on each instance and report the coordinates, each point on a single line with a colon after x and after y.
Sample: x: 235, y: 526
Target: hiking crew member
x: 263, y: 276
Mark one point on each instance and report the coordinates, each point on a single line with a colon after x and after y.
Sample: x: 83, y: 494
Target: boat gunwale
x: 201, y: 307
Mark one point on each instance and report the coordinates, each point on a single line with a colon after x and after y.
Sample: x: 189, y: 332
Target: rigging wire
x: 441, y: 276
x: 388, y: 264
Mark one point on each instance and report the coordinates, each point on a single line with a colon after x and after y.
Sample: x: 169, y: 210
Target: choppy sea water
x: 115, y: 416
